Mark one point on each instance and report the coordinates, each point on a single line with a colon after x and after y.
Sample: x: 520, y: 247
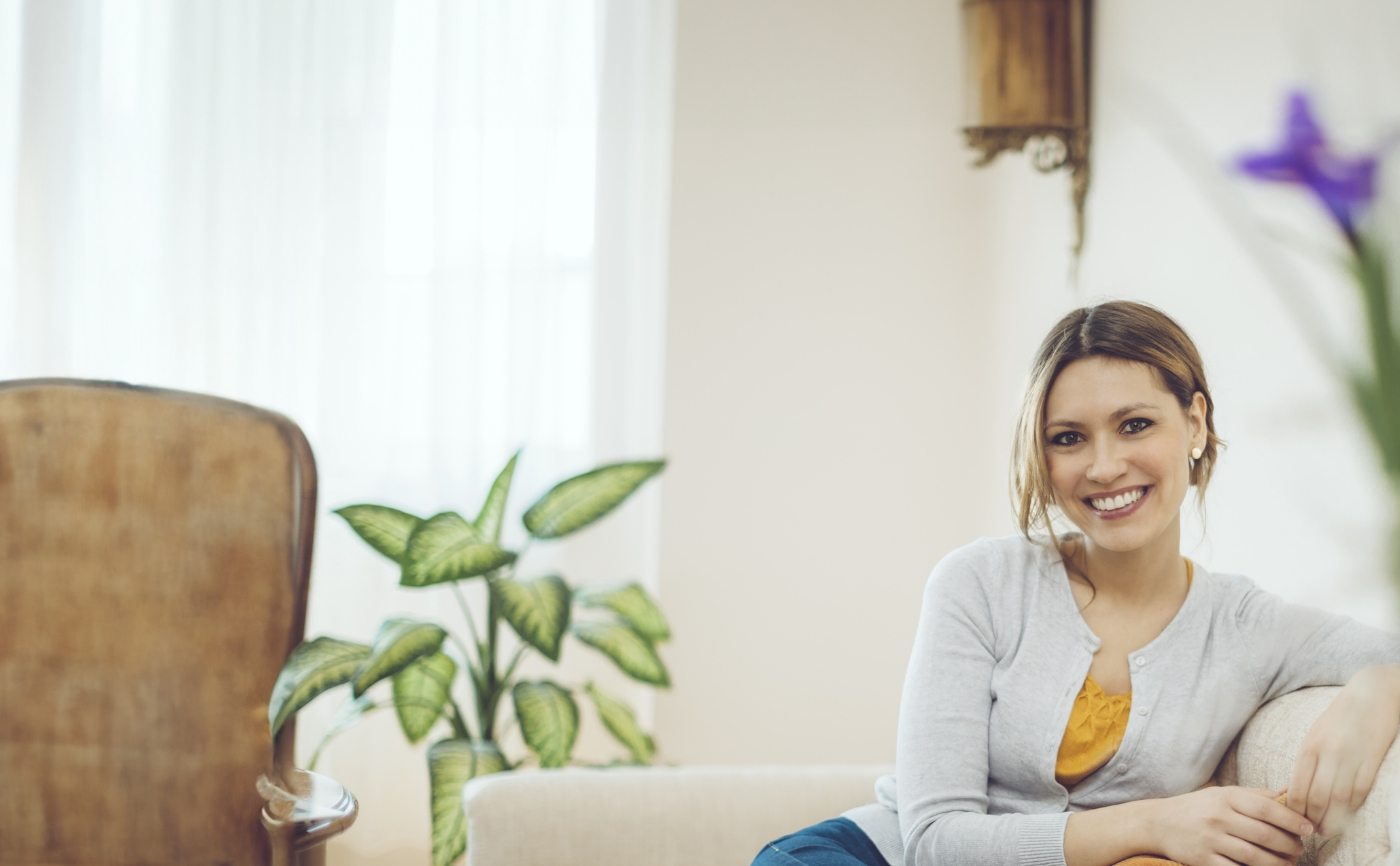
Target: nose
x: 1106, y: 463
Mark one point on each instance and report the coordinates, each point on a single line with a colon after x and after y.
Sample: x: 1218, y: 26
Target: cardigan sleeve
x: 1295, y: 646
x: 941, y: 751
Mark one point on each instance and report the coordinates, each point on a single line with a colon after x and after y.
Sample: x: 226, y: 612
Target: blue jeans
x: 834, y: 842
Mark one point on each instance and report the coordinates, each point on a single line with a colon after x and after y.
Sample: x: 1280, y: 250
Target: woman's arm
x: 1295, y: 646
x: 1339, y: 759
x: 1300, y: 646
x: 1209, y: 827
x: 942, y: 749
x: 1099, y: 837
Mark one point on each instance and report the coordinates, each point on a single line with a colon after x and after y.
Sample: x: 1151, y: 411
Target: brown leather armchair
x: 154, y: 556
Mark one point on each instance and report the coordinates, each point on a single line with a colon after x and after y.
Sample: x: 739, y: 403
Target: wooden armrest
x: 303, y: 812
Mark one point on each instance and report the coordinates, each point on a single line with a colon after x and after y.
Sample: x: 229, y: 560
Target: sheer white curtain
x: 429, y: 232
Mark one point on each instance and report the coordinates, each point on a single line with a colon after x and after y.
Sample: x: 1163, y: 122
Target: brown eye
x: 1136, y: 425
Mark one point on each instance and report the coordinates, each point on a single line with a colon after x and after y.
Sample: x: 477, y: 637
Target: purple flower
x: 1344, y: 185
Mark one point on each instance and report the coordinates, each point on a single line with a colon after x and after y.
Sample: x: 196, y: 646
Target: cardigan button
x: 1139, y: 661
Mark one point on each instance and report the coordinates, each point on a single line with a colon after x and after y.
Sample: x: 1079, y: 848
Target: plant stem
x: 482, y: 716
x: 1370, y: 273
x: 466, y: 611
x: 494, y: 691
x: 473, y: 670
x: 459, y: 721
x: 480, y: 672
x: 498, y: 691
x: 510, y: 668
x: 488, y: 704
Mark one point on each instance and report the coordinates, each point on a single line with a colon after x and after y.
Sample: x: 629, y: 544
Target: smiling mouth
x: 1121, y: 504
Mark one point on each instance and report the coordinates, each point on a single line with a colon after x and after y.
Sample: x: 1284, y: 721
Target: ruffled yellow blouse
x: 1095, y: 730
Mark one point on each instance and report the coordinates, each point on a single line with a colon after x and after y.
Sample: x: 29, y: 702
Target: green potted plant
x: 418, y: 663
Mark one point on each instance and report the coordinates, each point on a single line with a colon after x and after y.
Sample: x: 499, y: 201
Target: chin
x: 1116, y: 543
x: 1124, y: 539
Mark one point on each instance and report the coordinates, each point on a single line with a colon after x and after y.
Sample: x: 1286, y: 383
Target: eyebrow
x: 1126, y: 410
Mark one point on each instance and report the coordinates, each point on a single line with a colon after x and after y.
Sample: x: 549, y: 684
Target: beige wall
x: 828, y: 315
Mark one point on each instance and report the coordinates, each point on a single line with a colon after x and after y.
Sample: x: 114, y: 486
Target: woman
x: 1069, y: 697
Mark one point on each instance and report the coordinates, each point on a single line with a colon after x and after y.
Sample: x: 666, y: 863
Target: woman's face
x: 1117, y: 444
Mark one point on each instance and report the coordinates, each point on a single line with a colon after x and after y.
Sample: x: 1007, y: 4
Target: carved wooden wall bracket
x: 1028, y: 86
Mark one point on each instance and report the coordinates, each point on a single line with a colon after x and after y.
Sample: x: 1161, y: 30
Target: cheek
x: 1170, y: 462
x: 1062, y: 475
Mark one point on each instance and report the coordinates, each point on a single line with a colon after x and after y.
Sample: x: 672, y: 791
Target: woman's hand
x: 1341, y: 754
x: 1226, y: 826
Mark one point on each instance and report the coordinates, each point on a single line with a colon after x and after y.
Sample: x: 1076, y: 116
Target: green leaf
x: 385, y: 529
x: 312, y: 668
x: 537, y: 609
x: 618, y: 718
x: 632, y: 603
x: 446, y: 548
x: 350, y: 713
x: 398, y: 644
x: 488, y: 522
x: 548, y: 720
x: 451, y: 764
x: 573, y: 504
x: 628, y: 649
x: 488, y: 759
x: 421, y: 691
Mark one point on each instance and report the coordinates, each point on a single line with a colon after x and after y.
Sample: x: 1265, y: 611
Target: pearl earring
x: 1195, y: 454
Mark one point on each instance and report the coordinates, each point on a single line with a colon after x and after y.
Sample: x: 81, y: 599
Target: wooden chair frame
x: 301, y: 811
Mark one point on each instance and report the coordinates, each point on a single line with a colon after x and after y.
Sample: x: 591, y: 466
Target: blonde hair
x: 1125, y: 330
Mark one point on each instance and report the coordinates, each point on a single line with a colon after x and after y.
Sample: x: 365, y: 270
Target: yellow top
x: 1096, y: 726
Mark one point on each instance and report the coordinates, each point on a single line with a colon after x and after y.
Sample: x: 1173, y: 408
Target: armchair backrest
x: 154, y: 554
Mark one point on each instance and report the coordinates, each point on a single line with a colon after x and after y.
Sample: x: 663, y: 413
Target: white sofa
x: 718, y: 816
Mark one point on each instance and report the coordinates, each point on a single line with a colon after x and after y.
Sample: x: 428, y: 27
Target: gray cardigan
x: 1000, y: 654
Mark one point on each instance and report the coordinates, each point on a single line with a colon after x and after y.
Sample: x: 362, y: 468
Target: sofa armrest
x: 1263, y: 757
x: 651, y: 816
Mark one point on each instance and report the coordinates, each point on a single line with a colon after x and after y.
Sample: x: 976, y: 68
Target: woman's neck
x: 1139, y: 576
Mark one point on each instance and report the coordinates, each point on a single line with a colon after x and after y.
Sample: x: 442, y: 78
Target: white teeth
x: 1122, y: 500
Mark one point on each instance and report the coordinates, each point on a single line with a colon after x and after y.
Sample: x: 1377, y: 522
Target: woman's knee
x: 830, y: 843
x: 772, y: 855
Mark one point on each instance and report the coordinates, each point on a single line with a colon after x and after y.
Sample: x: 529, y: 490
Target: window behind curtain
x: 379, y: 218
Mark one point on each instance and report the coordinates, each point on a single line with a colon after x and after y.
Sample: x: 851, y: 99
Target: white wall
x: 1296, y: 504
x: 852, y: 309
